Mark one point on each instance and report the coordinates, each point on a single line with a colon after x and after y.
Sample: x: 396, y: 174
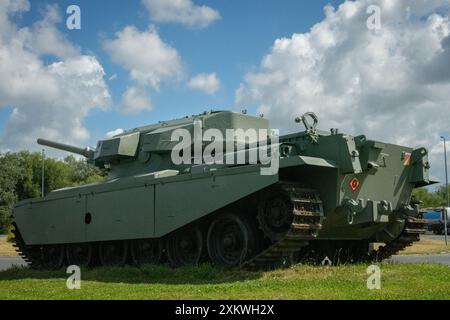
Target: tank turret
x: 148, y: 149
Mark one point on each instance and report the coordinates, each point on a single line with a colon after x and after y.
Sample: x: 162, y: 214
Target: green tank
x: 224, y: 187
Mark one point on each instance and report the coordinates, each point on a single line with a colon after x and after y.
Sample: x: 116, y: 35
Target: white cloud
x: 135, y: 100
x: 113, y: 133
x: 44, y: 38
x: 208, y: 83
x: 392, y: 84
x: 8, y: 7
x: 145, y: 55
x: 181, y: 11
x: 49, y: 101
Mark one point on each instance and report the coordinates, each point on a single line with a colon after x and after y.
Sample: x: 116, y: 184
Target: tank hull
x: 134, y: 207
x: 149, y: 206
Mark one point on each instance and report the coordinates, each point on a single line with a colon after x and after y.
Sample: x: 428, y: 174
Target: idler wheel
x: 113, y: 253
x: 230, y: 240
x: 79, y: 254
x: 146, y: 251
x: 184, y: 247
x: 53, y: 257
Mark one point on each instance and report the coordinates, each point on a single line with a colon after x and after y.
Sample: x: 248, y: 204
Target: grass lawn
x: 6, y: 248
x: 425, y: 281
x: 427, y: 246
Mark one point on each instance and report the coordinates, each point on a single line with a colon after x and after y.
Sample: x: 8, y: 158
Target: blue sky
x: 174, y: 58
x: 230, y: 47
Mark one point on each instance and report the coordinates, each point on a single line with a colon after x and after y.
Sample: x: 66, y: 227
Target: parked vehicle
x: 434, y: 220
x: 333, y: 195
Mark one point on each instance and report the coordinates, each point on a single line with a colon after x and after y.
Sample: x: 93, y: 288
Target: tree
x: 21, y: 178
x: 442, y: 193
x: 9, y: 175
x: 82, y: 172
x: 428, y: 199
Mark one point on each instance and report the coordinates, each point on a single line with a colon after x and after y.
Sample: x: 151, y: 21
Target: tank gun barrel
x: 86, y: 152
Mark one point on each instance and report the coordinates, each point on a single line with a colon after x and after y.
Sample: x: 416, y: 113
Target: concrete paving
x: 422, y: 258
x: 431, y: 236
x: 8, y: 262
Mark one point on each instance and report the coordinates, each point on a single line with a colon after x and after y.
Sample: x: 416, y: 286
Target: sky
x: 138, y: 62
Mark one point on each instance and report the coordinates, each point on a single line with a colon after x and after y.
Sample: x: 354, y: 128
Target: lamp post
x: 42, y: 173
x: 446, y: 190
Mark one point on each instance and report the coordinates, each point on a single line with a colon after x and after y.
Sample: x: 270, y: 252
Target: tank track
x: 31, y: 255
x: 414, y: 227
x: 307, y: 215
x: 307, y: 212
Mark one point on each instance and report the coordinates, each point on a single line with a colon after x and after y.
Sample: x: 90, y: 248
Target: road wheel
x: 230, y: 240
x: 113, y: 253
x: 184, y: 247
x: 53, y: 256
x: 146, y: 251
x: 79, y: 254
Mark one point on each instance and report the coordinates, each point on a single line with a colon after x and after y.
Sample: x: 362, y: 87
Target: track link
x: 413, y: 229
x: 307, y: 212
x: 31, y: 255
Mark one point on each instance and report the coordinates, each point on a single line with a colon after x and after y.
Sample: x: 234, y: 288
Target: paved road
x: 416, y: 258
x: 432, y: 236
x: 8, y: 262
